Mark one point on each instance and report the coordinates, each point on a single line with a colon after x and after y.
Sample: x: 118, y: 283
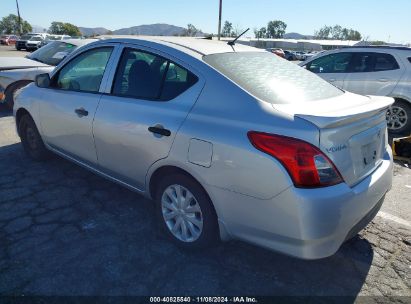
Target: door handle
x: 158, y: 129
x: 332, y: 80
x: 81, y: 112
x: 383, y: 80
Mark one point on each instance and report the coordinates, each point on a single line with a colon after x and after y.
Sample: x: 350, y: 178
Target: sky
x: 378, y: 20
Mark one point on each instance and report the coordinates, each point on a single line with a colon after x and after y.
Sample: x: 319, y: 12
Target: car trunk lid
x: 352, y: 131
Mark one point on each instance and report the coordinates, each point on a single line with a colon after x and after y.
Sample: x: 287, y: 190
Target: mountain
x: 296, y: 36
x: 159, y: 29
x: 93, y: 31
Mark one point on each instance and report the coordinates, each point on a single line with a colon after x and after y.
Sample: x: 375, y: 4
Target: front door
x: 67, y: 108
x: 332, y: 67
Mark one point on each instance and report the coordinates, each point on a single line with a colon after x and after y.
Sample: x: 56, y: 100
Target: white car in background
x: 16, y: 72
x: 34, y: 43
x: 379, y: 71
x: 52, y: 38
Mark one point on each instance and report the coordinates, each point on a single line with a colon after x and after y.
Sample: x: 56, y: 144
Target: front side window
x: 147, y: 76
x: 333, y: 63
x: 84, y: 72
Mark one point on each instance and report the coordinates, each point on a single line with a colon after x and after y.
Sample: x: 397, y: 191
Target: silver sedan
x: 229, y: 141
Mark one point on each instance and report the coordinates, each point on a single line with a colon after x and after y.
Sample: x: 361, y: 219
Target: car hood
x: 13, y: 63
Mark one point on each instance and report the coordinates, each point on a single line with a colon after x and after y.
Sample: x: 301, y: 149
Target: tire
x: 31, y: 140
x: 200, y: 224
x: 11, y: 89
x: 399, y: 117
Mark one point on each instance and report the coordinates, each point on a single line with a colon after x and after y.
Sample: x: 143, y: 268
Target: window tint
x: 84, y: 72
x: 176, y: 82
x: 271, y: 78
x: 373, y: 62
x: 362, y: 63
x: 333, y: 63
x: 385, y: 62
x: 147, y: 76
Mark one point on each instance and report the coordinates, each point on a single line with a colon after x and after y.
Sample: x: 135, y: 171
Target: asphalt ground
x: 67, y: 232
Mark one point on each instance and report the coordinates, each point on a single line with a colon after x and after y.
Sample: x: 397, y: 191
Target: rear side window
x: 144, y: 75
x: 365, y: 62
x: 385, y: 62
x: 270, y: 78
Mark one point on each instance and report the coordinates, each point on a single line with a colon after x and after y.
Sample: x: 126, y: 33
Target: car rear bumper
x: 305, y: 223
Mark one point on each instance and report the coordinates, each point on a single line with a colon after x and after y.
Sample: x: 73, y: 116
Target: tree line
x: 274, y: 29
x: 337, y: 32
x: 10, y: 25
x: 277, y: 29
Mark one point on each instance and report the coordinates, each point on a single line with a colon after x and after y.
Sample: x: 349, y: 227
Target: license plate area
x: 370, y: 155
x: 367, y: 150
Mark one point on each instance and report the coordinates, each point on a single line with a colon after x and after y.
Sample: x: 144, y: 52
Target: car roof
x: 379, y: 47
x: 77, y: 42
x: 189, y: 45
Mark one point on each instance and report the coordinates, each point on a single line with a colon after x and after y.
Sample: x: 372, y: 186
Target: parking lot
x: 65, y: 231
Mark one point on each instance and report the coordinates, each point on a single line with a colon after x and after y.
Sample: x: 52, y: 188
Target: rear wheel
x: 399, y: 117
x: 30, y: 138
x: 185, y: 212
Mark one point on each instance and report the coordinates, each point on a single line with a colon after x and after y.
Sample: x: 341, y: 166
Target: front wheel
x: 30, y: 138
x: 185, y: 212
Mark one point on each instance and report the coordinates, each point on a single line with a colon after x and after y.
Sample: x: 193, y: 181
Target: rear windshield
x: 272, y: 79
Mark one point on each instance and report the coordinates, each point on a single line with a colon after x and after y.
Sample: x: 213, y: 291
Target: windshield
x: 53, y: 53
x: 271, y: 78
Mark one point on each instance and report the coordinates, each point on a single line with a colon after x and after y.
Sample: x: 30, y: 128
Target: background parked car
x: 8, y: 39
x: 34, y: 43
x: 17, y: 72
x: 277, y: 51
x: 384, y: 71
x: 290, y: 56
x: 54, y: 38
x: 21, y: 43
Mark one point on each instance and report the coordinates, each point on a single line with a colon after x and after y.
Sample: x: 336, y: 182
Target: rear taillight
x: 306, y: 164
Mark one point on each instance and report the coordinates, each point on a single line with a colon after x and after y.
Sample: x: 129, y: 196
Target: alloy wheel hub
x: 182, y: 213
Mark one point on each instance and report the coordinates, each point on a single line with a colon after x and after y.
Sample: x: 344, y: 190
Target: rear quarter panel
x: 222, y: 116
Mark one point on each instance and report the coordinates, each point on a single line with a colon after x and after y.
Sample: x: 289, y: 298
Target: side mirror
x: 43, y: 80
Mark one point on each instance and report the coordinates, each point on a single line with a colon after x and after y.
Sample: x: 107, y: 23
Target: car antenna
x: 233, y: 41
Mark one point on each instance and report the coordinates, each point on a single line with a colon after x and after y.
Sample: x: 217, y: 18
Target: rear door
x: 373, y: 73
x: 331, y: 67
x: 140, y: 114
